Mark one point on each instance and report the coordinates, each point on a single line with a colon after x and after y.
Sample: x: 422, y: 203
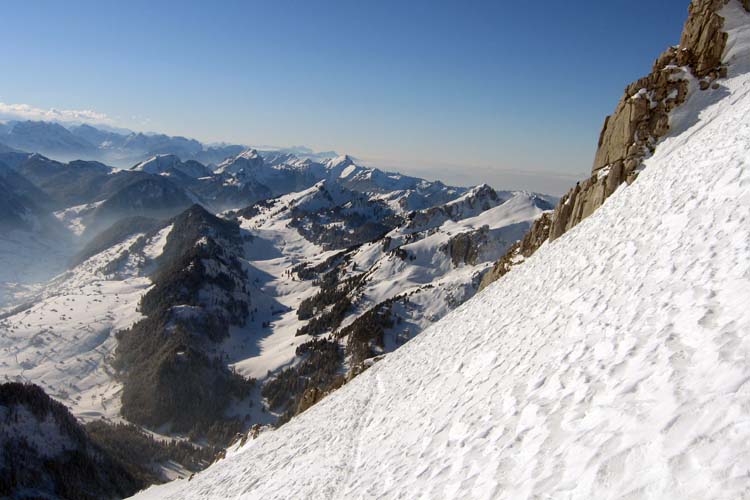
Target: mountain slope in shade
x: 153, y: 196
x: 49, y: 137
x: 88, y: 196
x: 611, y: 364
x: 45, y: 453
x: 18, y: 201
x: 34, y: 245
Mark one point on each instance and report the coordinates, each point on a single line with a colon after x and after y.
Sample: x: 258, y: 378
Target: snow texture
x: 612, y: 364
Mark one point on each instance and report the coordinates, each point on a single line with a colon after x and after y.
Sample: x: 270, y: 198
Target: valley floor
x: 63, y: 339
x: 273, y: 252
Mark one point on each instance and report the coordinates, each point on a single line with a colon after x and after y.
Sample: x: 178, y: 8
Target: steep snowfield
x: 73, y: 217
x: 612, y: 364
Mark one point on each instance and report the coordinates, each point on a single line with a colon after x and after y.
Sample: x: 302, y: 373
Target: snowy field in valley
x: 275, y: 249
x: 612, y: 364
x: 64, y: 339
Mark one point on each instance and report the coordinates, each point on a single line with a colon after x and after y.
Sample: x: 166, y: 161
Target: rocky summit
x: 640, y: 119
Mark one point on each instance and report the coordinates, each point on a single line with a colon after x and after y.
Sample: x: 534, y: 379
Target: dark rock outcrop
x: 465, y: 248
x: 703, y: 41
x: 631, y: 133
x: 538, y: 234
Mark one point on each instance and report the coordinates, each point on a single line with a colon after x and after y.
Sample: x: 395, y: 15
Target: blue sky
x: 509, y: 93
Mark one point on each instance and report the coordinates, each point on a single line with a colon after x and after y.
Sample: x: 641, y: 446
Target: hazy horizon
x: 395, y: 85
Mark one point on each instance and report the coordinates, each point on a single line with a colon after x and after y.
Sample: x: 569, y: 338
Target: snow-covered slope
x: 439, y: 268
x: 63, y: 340
x: 276, y: 248
x: 417, y: 271
x: 166, y: 164
x: 612, y: 364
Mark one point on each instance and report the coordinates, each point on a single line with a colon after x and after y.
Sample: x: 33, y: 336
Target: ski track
x: 613, y: 364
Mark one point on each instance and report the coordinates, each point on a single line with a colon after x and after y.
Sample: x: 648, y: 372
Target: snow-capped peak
x: 338, y: 164
x: 169, y: 163
x: 243, y: 162
x: 157, y: 164
x: 248, y: 154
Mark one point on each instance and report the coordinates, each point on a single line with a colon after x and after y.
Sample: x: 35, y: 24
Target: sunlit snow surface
x: 65, y: 338
x: 612, y: 364
x: 437, y: 285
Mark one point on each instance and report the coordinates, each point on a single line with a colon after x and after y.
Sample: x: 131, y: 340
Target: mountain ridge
x: 641, y: 118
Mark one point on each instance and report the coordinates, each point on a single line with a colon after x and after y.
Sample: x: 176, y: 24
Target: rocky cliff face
x: 465, y: 248
x: 631, y: 133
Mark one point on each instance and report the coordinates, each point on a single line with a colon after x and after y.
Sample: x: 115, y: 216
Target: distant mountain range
x: 117, y: 147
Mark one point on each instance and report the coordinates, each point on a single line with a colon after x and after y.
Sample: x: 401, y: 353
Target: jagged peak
x: 248, y: 154
x: 340, y: 161
x: 197, y: 213
x: 234, y: 164
x: 481, y: 188
x: 196, y: 210
x: 479, y: 191
x: 39, y: 156
x: 157, y: 160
